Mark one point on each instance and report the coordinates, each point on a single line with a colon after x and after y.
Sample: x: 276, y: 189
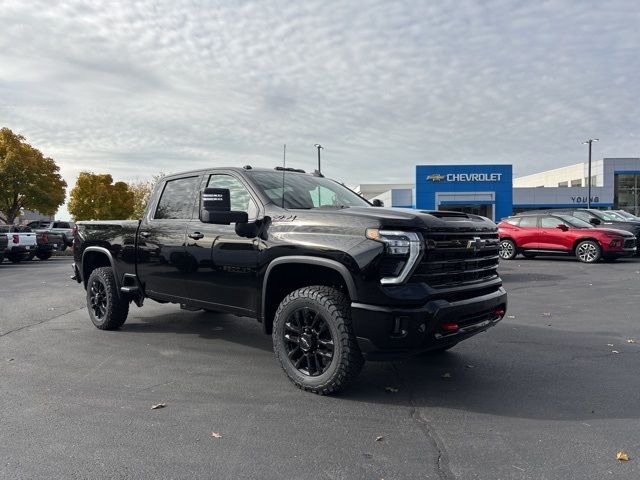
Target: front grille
x: 630, y: 243
x: 457, y: 258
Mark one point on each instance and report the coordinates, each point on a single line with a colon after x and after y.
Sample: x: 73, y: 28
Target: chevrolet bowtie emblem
x: 435, y: 177
x: 475, y: 244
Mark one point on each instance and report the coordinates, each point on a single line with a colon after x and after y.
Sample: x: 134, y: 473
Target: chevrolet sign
x: 465, y: 177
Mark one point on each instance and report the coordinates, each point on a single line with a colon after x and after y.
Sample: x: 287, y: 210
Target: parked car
x: 20, y: 244
x: 4, y: 242
x: 557, y: 234
x: 66, y: 229
x: 46, y: 244
x: 625, y: 215
x: 332, y: 278
x: 595, y: 217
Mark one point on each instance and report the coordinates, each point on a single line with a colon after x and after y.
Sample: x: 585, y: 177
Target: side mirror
x: 563, y: 227
x: 594, y: 221
x: 215, y: 207
x: 377, y: 203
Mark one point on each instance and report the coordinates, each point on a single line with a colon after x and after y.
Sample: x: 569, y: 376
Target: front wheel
x: 44, y: 255
x: 588, y: 251
x: 314, y: 340
x: 507, y: 250
x: 107, y: 309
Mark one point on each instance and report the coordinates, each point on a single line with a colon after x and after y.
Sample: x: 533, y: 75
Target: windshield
x: 306, y: 191
x: 605, y: 216
x: 626, y: 215
x: 575, y: 222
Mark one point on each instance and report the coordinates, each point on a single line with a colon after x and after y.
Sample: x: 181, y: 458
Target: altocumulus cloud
x: 134, y: 88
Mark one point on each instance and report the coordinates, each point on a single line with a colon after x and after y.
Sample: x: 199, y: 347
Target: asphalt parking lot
x: 541, y: 396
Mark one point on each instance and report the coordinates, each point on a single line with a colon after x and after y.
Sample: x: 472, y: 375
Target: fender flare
x: 302, y: 259
x: 109, y: 256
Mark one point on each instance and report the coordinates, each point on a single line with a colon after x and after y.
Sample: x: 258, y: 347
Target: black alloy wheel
x: 98, y: 299
x: 308, y: 341
x: 108, y: 309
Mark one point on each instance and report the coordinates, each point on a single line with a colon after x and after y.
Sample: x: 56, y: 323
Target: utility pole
x: 590, y: 141
x: 319, y: 147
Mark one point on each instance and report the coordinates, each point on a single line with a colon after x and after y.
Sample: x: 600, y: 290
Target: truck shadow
x: 525, y: 372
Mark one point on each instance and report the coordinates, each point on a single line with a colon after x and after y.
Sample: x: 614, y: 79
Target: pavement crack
x: 4, y: 334
x: 442, y: 460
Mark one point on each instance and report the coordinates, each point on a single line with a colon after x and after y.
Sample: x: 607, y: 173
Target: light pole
x: 319, y: 147
x: 590, y: 141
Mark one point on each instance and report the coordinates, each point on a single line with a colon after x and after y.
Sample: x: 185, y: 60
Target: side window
x: 322, y: 197
x: 61, y: 225
x: 550, y: 222
x: 240, y: 198
x: 177, y: 199
x: 513, y: 221
x: 582, y: 215
x: 529, y: 222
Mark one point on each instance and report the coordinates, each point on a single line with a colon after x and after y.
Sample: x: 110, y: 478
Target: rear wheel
x: 314, y: 340
x: 507, y: 250
x: 107, y: 309
x: 588, y: 251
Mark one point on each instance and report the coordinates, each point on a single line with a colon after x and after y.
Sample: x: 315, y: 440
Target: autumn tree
x: 28, y: 179
x: 96, y: 197
x: 141, y: 193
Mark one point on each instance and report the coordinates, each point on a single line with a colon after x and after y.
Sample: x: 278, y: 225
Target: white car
x: 66, y: 229
x: 19, y: 244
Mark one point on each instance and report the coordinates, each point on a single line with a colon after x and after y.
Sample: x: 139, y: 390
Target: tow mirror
x: 215, y: 207
x: 563, y: 227
x: 377, y: 202
x: 594, y: 221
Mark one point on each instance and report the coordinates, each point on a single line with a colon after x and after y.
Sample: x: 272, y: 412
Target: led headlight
x: 398, y: 243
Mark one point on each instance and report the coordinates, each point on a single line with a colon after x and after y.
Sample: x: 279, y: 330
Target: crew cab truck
x: 333, y: 279
x: 20, y: 244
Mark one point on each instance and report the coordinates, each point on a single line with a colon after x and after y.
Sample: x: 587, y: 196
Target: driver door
x: 225, y: 264
x: 553, y: 238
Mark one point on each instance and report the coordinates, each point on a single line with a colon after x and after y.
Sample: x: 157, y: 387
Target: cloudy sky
x: 135, y: 88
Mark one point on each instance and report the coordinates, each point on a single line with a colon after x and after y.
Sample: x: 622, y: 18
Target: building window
x: 563, y: 184
x: 593, y: 181
x: 627, y: 192
x: 576, y: 183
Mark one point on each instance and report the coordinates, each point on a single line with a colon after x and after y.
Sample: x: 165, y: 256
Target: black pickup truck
x: 332, y: 278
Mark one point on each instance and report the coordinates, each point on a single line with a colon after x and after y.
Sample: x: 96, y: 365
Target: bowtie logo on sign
x: 465, y: 177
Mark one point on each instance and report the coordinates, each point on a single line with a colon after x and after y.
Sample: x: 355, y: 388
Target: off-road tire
x: 507, y: 250
x: 335, y: 311
x: 44, y: 255
x: 588, y: 251
x: 116, y: 307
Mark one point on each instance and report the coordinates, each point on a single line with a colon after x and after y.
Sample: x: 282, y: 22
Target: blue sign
x: 491, y: 184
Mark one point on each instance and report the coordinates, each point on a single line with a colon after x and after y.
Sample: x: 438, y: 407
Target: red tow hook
x: 499, y: 312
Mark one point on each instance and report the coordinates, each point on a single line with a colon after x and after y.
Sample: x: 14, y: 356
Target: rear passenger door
x: 161, y: 258
x: 529, y: 233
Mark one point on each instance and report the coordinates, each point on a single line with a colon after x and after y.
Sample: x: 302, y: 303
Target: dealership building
x: 491, y: 190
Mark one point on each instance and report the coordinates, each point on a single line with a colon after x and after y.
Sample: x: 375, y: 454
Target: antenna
x: 284, y: 169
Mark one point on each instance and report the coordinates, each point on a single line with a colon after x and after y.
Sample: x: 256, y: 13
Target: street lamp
x: 590, y: 141
x: 319, y: 147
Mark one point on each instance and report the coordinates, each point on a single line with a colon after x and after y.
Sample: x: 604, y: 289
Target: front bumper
x: 384, y: 332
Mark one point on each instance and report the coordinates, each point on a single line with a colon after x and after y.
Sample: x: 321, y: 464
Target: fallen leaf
x: 622, y: 456
x: 10, y: 360
x: 216, y: 435
x: 615, y: 351
x: 470, y: 366
x: 511, y: 316
x: 446, y: 375
x: 157, y: 406
x: 379, y: 438
x: 630, y: 340
x: 391, y: 389
x: 546, y: 314
x: 609, y: 344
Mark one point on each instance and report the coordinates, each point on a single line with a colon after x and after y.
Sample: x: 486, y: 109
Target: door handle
x: 196, y: 235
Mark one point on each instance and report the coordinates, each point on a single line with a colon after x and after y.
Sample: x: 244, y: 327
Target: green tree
x: 28, y: 179
x: 96, y: 197
x: 142, y: 190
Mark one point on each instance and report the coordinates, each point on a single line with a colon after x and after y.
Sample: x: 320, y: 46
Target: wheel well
x: 284, y: 279
x: 91, y: 261
x: 580, y: 240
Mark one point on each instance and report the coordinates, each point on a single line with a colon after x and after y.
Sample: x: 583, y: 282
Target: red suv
x: 547, y: 234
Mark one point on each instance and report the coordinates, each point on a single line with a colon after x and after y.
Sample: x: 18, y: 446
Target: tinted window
x: 61, y: 225
x: 551, y: 222
x: 529, y: 222
x: 582, y: 215
x: 240, y: 199
x: 177, y: 198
